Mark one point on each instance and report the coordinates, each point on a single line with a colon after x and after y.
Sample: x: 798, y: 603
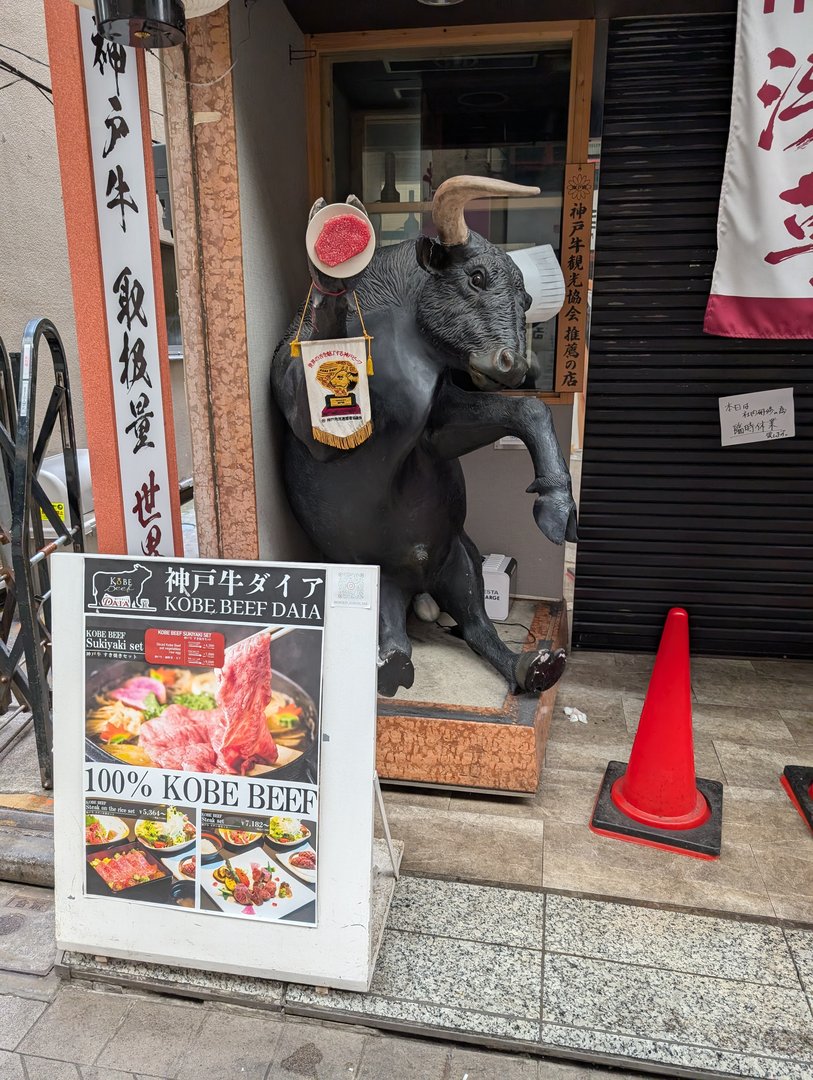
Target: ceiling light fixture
x: 440, y: 3
x: 147, y: 24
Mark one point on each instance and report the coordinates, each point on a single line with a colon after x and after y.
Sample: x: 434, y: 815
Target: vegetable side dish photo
x: 170, y: 835
x: 285, y: 830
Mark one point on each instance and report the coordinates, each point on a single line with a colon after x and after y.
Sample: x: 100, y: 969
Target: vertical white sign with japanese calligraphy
x: 763, y: 278
x: 122, y: 204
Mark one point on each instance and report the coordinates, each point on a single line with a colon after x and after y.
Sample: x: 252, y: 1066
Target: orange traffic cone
x: 656, y: 798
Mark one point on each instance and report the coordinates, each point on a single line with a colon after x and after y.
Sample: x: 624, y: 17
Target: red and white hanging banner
x: 763, y: 279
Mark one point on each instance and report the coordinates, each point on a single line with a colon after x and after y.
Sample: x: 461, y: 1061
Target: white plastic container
x: 499, y: 576
x: 52, y: 478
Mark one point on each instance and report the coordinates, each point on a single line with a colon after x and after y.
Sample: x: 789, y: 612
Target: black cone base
x: 796, y: 780
x: 702, y: 842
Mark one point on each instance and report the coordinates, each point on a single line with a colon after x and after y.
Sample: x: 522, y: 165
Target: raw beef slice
x: 341, y: 238
x: 232, y: 738
x: 243, y: 693
x: 137, y: 689
x: 183, y: 738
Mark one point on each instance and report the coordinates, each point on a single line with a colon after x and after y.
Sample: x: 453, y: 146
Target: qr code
x: 352, y: 589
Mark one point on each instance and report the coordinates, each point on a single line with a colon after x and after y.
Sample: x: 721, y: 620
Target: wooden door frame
x: 323, y: 50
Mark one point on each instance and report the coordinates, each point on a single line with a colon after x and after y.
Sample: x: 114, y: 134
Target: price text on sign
x: 193, y: 648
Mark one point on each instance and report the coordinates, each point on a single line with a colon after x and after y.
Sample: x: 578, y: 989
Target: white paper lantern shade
x: 544, y: 281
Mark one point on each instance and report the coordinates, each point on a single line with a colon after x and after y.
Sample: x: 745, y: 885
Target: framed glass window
x: 511, y: 102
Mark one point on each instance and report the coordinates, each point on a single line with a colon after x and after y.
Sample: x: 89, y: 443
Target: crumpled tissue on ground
x: 575, y: 715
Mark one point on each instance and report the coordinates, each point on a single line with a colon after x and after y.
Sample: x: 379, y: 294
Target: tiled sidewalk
x: 617, y: 982
x: 751, y: 718
x: 86, y: 1034
x: 510, y: 969
x: 545, y: 974
x: 92, y: 1031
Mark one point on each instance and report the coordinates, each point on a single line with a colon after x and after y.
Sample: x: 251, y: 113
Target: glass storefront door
x: 404, y: 123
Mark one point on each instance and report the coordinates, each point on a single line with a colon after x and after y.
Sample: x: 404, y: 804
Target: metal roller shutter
x: 668, y: 516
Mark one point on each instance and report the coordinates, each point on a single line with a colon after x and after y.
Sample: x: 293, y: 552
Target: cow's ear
x: 432, y: 256
x: 320, y: 204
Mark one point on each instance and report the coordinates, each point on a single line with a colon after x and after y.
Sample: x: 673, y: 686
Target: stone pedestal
x: 458, y: 726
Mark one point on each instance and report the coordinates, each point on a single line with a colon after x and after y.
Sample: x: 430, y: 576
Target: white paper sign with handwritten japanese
x: 114, y: 115
x: 759, y: 417
x: 763, y: 279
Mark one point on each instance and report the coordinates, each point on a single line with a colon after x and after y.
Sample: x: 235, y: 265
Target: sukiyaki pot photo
x: 240, y: 719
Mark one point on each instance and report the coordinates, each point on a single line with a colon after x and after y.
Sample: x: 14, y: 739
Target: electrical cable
x: 42, y: 87
x: 220, y: 78
x: 33, y: 59
x: 455, y: 631
x: 41, y: 91
x: 189, y: 82
x: 528, y: 638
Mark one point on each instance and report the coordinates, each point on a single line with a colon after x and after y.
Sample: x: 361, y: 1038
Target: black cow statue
x: 445, y: 314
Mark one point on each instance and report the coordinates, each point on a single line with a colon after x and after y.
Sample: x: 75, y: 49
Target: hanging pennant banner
x: 763, y: 280
x: 117, y: 146
x: 338, y: 391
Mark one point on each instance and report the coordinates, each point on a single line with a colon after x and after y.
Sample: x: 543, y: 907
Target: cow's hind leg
x: 394, y: 647
x: 460, y: 592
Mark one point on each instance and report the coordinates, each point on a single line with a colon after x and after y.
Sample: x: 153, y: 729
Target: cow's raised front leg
x: 462, y: 421
x: 394, y: 647
x: 460, y: 592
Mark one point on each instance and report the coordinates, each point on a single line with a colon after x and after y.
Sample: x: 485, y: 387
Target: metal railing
x: 25, y: 607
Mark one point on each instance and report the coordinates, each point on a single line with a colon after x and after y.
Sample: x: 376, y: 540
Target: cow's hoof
x: 554, y: 511
x: 536, y: 672
x: 395, y: 671
x: 426, y: 608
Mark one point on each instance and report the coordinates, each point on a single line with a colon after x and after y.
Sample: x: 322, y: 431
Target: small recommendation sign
x: 757, y: 417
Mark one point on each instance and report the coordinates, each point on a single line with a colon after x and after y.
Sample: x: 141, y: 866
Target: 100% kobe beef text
x: 116, y: 782
x: 225, y: 792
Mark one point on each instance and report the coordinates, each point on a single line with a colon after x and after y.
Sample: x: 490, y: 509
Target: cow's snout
x: 497, y: 368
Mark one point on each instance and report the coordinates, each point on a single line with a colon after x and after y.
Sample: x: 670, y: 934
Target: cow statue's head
x: 474, y: 305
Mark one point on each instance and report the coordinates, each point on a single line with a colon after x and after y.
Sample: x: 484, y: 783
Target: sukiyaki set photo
x: 241, y: 719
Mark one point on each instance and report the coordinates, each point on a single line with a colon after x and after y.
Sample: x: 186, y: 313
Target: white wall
x: 500, y: 513
x: 269, y: 102
x: 34, y: 276
x: 34, y: 272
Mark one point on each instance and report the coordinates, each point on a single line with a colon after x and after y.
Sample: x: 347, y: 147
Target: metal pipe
x: 49, y: 549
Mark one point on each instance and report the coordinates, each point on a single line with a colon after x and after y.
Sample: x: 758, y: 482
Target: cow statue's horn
x: 452, y: 196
